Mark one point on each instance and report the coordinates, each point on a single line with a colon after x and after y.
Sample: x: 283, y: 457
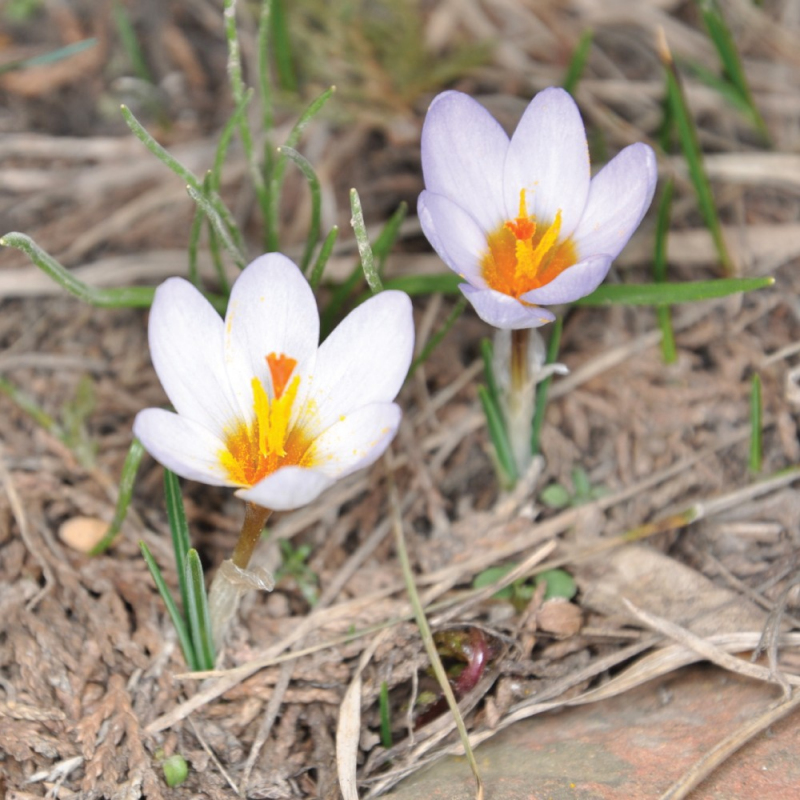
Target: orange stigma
x: 523, y: 255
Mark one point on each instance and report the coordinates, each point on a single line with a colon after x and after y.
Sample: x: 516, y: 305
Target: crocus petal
x: 186, y: 346
x: 287, y: 488
x: 619, y: 196
x: 454, y: 235
x: 503, y: 311
x: 574, y: 282
x: 463, y: 151
x: 364, y: 361
x: 185, y: 447
x: 271, y: 310
x: 549, y: 158
x: 356, y: 441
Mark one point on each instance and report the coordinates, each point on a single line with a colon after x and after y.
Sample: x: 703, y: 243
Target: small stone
x: 82, y: 533
x: 560, y: 617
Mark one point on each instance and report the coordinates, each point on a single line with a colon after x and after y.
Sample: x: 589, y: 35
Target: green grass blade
x: 278, y: 165
x: 324, y: 255
x: 217, y: 224
x: 194, y: 245
x: 687, y: 135
x: 49, y: 58
x: 282, y: 47
x: 668, y: 349
x: 415, y: 285
x: 499, y: 437
x: 197, y: 612
x: 264, y: 78
x: 121, y: 297
x: 225, y: 138
x: 756, y: 425
x: 388, y: 235
x: 31, y: 408
x: 177, y: 620
x: 130, y: 470
x: 435, y: 340
x: 670, y: 294
x: 130, y: 43
x: 316, y: 202
x: 721, y: 36
x: 543, y: 389
x: 364, y: 246
x: 386, y: 717
x: 179, y: 528
x: 487, y: 356
x: 578, y: 62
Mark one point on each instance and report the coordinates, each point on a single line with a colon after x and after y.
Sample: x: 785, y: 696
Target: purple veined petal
x: 356, y: 441
x: 365, y: 360
x: 287, y: 488
x: 549, y: 158
x: 573, y: 283
x: 271, y: 310
x: 463, y: 152
x: 181, y: 445
x: 186, y: 347
x: 619, y: 196
x: 503, y: 311
x: 454, y: 235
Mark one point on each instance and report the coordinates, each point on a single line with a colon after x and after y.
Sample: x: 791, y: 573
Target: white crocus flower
x: 520, y: 219
x: 259, y: 404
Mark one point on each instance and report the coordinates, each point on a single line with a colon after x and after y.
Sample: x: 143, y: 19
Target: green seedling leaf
x: 668, y: 349
x: 668, y: 294
x: 179, y: 529
x: 507, y: 468
x: 556, y: 496
x: 756, y: 425
x: 123, y: 297
x: 316, y: 202
x: 324, y: 255
x: 49, y: 58
x: 197, y: 612
x: 487, y: 356
x: 264, y: 81
x: 364, y: 247
x: 559, y: 584
x: 30, y: 407
x: 687, y: 135
x: 434, y: 341
x: 177, y: 620
x: 386, y: 718
x: 728, y: 53
x: 130, y: 469
x: 282, y: 48
x: 176, y: 770
x: 543, y: 388
x: 578, y: 62
x: 218, y: 224
x: 130, y: 43
x: 492, y: 575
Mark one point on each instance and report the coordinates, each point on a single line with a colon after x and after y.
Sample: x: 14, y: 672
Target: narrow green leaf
x: 31, y: 408
x: 324, y: 255
x: 316, y: 202
x: 264, y: 77
x: 197, y: 611
x: 415, y: 285
x: 225, y: 138
x: 670, y: 294
x: 122, y: 297
x: 130, y: 43
x: 179, y: 528
x: 434, y: 341
x: 49, y: 58
x: 578, y: 62
x: 668, y: 349
x: 282, y: 48
x: 756, y: 425
x: 499, y: 437
x: 543, y: 387
x: 386, y: 718
x: 127, y: 481
x: 728, y: 53
x: 487, y: 356
x: 687, y: 135
x: 388, y: 235
x: 177, y: 620
x: 364, y: 247
x: 218, y: 225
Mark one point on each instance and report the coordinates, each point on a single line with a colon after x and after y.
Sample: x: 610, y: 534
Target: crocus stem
x: 233, y: 578
x: 521, y: 394
x: 255, y: 518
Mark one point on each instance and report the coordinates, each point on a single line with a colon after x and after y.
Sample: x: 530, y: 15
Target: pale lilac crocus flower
x: 521, y: 220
